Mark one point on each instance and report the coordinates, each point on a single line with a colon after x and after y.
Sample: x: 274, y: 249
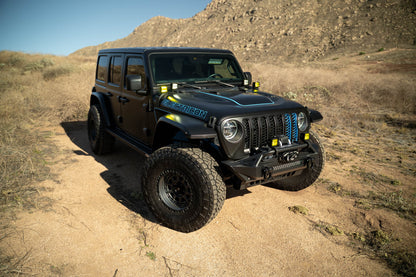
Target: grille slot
x: 259, y: 131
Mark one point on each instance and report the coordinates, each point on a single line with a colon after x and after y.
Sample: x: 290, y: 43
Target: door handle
x: 108, y: 94
x: 123, y: 99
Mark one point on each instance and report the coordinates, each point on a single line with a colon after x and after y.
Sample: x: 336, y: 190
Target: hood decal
x: 185, y: 109
x: 236, y: 102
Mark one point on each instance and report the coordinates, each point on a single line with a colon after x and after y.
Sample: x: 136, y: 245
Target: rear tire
x: 100, y: 141
x: 182, y: 187
x: 309, y: 175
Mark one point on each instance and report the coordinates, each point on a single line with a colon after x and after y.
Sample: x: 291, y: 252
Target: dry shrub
x: 28, y: 102
x: 58, y: 71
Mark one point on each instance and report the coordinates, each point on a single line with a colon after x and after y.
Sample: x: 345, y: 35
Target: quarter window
x: 115, y: 70
x: 102, y: 68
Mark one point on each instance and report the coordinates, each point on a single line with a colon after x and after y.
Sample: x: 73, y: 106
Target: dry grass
x: 355, y: 97
x: 348, y: 92
x: 35, y: 91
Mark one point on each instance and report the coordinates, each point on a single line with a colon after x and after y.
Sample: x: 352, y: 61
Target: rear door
x: 135, y: 104
x: 114, y: 86
x: 108, y: 82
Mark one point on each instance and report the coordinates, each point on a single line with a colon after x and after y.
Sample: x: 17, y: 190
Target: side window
x: 135, y: 67
x: 115, y: 70
x: 102, y: 68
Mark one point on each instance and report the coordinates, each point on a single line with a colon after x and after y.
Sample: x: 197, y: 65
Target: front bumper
x: 272, y: 164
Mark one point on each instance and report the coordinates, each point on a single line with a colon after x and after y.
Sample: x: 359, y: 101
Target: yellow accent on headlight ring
x: 275, y: 142
x: 306, y: 136
x: 163, y: 89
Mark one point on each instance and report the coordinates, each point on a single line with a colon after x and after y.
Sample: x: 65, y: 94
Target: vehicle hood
x: 204, y: 104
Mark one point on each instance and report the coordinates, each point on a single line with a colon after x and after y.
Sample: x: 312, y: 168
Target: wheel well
x: 94, y: 100
x: 167, y: 134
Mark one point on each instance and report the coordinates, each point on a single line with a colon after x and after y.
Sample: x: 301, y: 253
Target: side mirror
x: 247, y: 76
x: 134, y: 82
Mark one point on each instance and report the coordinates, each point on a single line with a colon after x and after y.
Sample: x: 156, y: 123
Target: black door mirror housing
x: 134, y: 82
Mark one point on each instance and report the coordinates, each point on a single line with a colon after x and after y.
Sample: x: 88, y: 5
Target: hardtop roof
x: 141, y: 50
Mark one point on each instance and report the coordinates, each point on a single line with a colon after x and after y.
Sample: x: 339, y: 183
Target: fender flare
x: 193, y: 129
x: 98, y: 98
x: 315, y: 116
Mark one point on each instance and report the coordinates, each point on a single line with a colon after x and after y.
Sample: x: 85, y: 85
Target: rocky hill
x: 259, y: 30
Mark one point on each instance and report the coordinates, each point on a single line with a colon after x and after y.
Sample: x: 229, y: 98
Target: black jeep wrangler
x: 202, y: 125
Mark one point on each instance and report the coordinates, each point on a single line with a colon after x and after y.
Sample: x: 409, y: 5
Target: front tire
x: 309, y: 175
x: 182, y: 187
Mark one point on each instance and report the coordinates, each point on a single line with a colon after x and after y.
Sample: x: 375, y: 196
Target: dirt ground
x: 94, y: 222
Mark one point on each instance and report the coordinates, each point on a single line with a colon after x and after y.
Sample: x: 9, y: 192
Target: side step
x: 131, y: 142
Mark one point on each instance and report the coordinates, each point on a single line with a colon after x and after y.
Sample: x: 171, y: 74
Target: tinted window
x: 102, y: 68
x: 115, y: 70
x: 135, y: 67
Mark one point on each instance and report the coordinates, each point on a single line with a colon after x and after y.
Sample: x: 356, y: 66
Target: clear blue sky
x: 61, y: 27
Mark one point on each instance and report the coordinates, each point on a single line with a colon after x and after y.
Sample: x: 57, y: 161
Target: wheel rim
x: 175, y: 190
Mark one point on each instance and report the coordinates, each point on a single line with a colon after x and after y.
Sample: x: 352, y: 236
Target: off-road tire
x: 182, y: 187
x: 309, y: 175
x: 100, y: 141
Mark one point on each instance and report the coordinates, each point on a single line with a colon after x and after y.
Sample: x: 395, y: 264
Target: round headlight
x: 302, y: 122
x: 229, y: 129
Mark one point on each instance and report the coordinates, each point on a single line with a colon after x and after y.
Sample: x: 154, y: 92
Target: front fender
x: 191, y: 127
x: 315, y: 116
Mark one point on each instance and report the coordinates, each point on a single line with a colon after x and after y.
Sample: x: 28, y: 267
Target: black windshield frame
x: 193, y: 68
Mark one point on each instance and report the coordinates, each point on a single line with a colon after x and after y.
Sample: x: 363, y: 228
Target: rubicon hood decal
x: 184, y: 109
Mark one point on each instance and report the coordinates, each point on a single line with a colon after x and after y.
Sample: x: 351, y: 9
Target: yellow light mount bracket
x: 256, y: 86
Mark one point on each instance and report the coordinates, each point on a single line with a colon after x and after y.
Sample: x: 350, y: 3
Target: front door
x: 134, y: 104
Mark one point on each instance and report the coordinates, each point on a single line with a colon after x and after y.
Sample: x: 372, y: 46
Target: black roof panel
x: 141, y: 50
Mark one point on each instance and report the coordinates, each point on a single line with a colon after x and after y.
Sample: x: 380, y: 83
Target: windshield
x: 193, y: 68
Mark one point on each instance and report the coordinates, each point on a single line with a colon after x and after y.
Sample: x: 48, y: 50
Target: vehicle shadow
x: 124, y: 170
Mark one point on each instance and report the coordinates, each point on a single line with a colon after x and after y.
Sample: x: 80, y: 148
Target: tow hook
x: 290, y: 156
x: 267, y: 173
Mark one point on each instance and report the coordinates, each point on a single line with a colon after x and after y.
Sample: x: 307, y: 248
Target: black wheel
x: 309, y: 175
x: 100, y: 141
x: 183, y: 188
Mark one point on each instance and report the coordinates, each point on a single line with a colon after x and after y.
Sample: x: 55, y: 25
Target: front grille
x: 260, y: 130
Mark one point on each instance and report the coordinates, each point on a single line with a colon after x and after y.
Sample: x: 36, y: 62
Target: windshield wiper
x: 189, y: 86
x: 216, y: 81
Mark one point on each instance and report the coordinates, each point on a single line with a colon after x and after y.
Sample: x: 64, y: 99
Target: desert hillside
x: 259, y: 30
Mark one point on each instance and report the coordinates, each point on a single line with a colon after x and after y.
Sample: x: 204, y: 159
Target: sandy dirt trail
x: 97, y: 224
